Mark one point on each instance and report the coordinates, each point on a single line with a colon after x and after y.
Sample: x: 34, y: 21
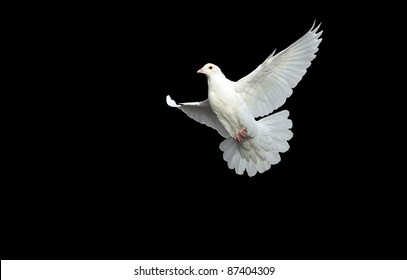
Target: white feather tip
x: 171, y: 102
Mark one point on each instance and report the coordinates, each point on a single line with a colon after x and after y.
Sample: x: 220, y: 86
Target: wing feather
x: 271, y: 83
x: 200, y: 112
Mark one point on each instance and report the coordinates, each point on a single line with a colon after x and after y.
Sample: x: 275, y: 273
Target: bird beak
x: 200, y: 70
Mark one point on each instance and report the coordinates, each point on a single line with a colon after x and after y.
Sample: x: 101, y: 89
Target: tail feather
x: 257, y: 154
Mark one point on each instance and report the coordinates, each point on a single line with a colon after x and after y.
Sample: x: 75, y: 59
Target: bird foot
x: 241, y: 135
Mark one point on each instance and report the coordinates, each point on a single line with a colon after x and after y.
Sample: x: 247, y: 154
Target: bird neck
x: 216, y: 77
x: 216, y: 81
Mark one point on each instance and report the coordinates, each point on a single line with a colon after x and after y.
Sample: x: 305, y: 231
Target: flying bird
x: 241, y: 111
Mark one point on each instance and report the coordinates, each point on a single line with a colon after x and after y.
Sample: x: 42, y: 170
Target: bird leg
x: 241, y: 135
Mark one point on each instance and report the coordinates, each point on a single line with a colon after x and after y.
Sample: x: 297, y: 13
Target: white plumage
x: 231, y: 108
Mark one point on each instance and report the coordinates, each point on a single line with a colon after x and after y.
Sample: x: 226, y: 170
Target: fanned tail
x: 257, y: 154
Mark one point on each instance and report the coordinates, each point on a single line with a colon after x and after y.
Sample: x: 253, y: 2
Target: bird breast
x: 230, y: 108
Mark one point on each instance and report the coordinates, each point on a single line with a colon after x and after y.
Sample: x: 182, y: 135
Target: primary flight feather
x: 231, y: 108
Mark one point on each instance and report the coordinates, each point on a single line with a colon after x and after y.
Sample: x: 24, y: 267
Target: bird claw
x: 241, y: 135
x: 243, y: 132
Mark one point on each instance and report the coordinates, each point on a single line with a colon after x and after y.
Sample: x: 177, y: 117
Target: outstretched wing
x: 201, y: 112
x: 271, y: 83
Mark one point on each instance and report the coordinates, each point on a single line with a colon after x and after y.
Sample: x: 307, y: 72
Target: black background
x: 102, y: 168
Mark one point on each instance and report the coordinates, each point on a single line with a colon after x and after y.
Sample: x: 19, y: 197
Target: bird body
x: 229, y: 107
x: 232, y: 107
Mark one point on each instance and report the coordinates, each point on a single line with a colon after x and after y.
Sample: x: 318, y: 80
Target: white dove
x: 231, y: 107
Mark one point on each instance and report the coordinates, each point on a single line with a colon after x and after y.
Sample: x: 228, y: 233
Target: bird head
x: 209, y: 69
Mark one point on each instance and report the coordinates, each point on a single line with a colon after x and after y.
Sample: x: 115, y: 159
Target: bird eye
x: 210, y: 67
